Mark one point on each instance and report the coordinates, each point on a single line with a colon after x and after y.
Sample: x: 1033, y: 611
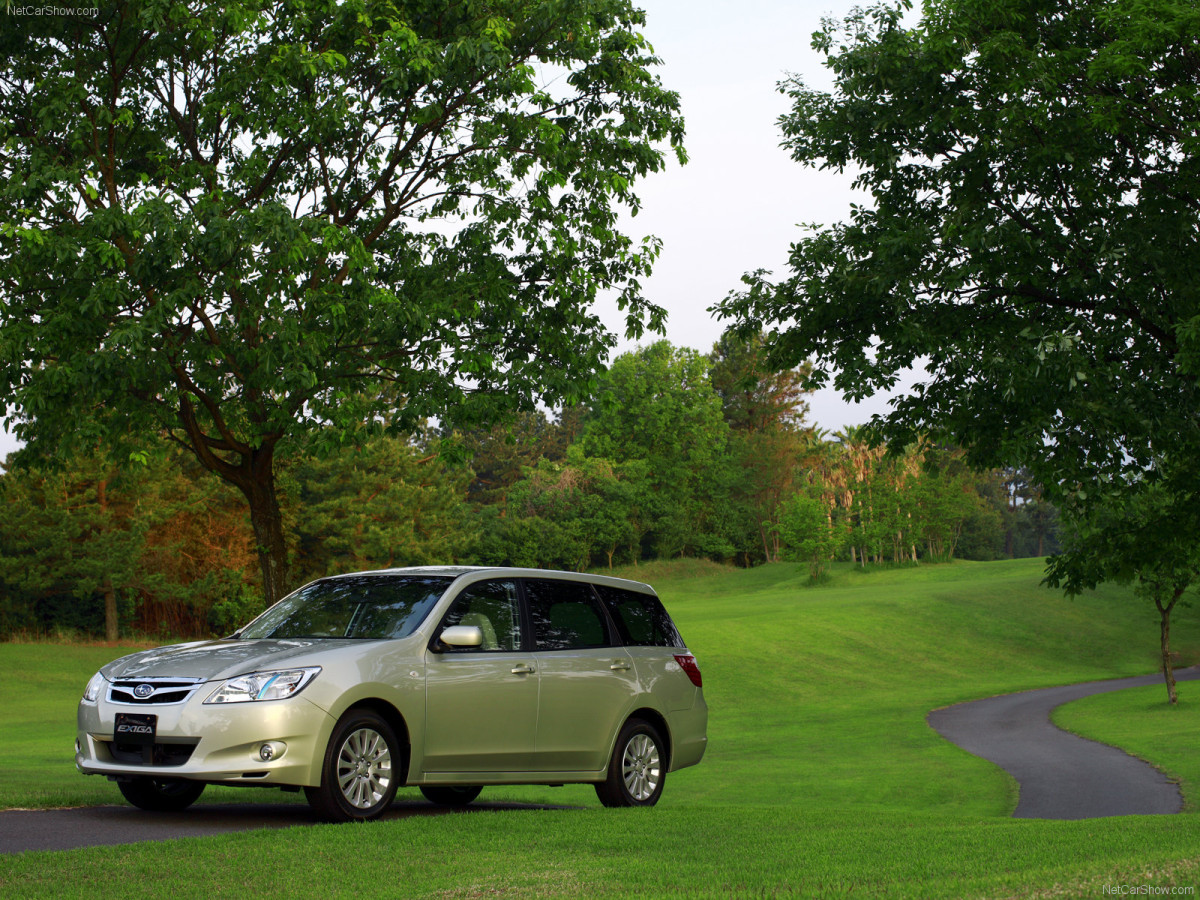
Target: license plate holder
x: 138, y: 729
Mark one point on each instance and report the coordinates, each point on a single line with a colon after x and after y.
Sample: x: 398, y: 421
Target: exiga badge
x: 134, y: 729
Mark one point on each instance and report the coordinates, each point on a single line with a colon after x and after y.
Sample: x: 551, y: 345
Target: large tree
x: 499, y: 454
x: 227, y: 221
x: 79, y: 531
x: 1031, y: 243
x: 656, y: 404
x: 768, y: 436
x: 386, y: 503
x: 142, y: 548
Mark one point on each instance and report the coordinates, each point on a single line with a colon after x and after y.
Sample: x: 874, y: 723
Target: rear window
x: 640, y: 618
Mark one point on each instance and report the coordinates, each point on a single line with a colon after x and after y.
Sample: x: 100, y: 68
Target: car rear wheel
x: 161, y: 794
x: 358, y: 781
x: 637, y: 770
x: 451, y: 795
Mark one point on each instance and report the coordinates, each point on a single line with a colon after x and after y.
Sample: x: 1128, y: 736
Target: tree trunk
x: 267, y: 522
x: 1164, y: 613
x: 253, y: 473
x: 255, y: 478
x: 112, y: 630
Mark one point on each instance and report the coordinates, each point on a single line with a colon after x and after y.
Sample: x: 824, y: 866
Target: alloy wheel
x: 641, y: 767
x: 364, y: 768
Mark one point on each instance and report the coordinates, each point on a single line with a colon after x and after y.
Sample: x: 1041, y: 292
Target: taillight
x: 687, y: 662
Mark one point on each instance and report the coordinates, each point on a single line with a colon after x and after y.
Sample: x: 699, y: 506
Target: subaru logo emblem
x: 142, y: 691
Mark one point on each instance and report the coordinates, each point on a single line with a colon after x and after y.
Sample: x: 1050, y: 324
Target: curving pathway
x: 1061, y: 775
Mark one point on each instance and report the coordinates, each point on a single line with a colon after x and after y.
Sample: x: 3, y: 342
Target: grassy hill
x: 822, y: 692
x: 822, y: 776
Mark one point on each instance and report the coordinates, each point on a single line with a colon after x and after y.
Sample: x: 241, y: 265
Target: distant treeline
x: 678, y: 454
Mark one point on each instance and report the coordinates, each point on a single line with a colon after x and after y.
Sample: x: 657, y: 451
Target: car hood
x: 215, y: 660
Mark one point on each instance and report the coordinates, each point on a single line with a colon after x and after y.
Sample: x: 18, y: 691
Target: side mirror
x: 462, y: 636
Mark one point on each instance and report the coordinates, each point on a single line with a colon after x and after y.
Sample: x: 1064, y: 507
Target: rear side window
x: 565, y: 615
x: 640, y: 618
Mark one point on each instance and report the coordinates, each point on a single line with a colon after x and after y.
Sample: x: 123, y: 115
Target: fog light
x: 266, y: 753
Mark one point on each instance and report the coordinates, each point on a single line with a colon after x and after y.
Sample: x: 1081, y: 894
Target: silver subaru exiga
x: 447, y: 679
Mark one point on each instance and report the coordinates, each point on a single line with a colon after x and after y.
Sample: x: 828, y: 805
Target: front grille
x: 160, y: 755
x: 155, y: 691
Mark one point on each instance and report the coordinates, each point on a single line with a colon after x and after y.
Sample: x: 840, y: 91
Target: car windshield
x: 365, y: 607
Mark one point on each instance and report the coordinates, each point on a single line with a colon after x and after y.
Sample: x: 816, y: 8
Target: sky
x: 736, y: 205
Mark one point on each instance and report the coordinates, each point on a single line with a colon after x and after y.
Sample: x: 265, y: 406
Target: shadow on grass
x: 94, y: 826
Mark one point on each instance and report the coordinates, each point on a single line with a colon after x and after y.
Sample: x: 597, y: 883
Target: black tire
x: 161, y: 794
x: 638, y: 768
x: 451, y: 795
x: 362, y: 763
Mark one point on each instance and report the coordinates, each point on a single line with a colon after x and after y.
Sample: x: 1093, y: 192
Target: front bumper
x: 224, y: 741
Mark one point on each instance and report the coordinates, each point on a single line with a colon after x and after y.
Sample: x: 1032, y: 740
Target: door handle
x: 522, y: 669
x: 620, y: 666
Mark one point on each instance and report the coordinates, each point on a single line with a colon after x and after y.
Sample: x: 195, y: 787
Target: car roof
x: 504, y: 572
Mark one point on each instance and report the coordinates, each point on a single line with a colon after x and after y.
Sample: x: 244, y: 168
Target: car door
x: 481, y: 702
x: 587, y: 683
x: 652, y: 640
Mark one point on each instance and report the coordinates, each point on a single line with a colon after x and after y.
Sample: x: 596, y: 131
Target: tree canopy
x: 163, y: 548
x: 230, y: 223
x: 657, y: 404
x: 1030, y: 246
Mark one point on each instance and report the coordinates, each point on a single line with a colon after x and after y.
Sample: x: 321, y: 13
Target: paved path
x: 93, y: 826
x: 1061, y: 776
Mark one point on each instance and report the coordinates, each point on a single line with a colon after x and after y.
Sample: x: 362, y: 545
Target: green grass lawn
x: 822, y: 777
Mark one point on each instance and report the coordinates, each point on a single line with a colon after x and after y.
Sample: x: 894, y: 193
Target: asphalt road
x: 1061, y: 776
x: 94, y: 826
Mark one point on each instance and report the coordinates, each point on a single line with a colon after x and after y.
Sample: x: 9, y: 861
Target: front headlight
x: 275, y: 685
x: 92, y: 691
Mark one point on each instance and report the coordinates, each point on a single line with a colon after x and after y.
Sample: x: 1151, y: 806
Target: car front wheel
x: 637, y: 770
x: 358, y: 781
x: 161, y: 794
